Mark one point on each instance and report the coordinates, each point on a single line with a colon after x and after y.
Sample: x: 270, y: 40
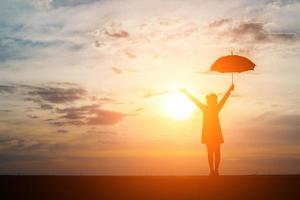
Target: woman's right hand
x: 232, y: 87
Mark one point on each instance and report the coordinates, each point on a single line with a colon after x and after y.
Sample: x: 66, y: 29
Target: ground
x: 151, y: 187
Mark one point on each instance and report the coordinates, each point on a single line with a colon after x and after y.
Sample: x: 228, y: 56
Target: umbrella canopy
x: 232, y: 63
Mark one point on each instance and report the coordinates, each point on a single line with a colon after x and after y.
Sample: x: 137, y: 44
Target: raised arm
x: 193, y: 99
x: 225, y: 97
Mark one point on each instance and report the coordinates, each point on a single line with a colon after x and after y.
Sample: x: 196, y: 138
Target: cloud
x: 207, y: 72
x: 62, y: 131
x: 95, y: 134
x: 53, y: 92
x: 155, y: 93
x: 107, y: 100
x: 140, y: 109
x: 68, y: 122
x: 115, y: 30
x: 117, y: 70
x: 69, y: 3
x: 105, y: 117
x: 5, y: 158
x: 110, y: 30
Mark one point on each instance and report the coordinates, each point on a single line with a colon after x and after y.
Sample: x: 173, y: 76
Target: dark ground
x: 150, y: 187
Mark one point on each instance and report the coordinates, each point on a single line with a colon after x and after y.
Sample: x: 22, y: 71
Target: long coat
x: 211, y: 130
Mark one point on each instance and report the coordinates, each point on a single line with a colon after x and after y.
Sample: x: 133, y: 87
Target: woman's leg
x: 210, y: 158
x: 217, y: 157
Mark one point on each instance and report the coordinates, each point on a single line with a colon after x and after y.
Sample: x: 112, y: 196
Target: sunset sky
x: 86, y: 86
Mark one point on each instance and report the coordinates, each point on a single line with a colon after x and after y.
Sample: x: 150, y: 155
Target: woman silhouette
x: 211, y: 131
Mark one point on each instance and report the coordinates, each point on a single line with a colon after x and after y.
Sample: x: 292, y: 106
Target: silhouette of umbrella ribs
x: 231, y: 64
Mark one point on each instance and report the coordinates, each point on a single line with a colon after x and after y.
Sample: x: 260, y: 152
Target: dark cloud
x: 37, y: 146
x: 291, y: 120
x: 77, y: 112
x: 11, y: 157
x: 97, y: 43
x: 6, y: 110
x: 64, y: 84
x: 154, y: 93
x: 7, y: 89
x: 247, y: 50
x: 257, y: 32
x: 277, y: 127
x: 46, y: 106
x: 57, y: 95
x: 136, y: 112
x: 68, y: 122
x: 87, y: 115
x: 54, y: 92
x: 250, y: 31
x: 4, y: 138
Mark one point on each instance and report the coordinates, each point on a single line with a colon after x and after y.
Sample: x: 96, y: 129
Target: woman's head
x: 212, y: 99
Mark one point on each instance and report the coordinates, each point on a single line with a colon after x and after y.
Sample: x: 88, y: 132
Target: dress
x: 211, y: 130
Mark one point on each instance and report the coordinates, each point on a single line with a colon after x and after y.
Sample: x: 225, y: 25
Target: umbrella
x: 232, y: 63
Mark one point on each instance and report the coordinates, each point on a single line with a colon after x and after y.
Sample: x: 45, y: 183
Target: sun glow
x: 178, y: 106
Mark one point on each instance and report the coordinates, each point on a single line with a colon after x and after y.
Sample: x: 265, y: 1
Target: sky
x: 85, y: 86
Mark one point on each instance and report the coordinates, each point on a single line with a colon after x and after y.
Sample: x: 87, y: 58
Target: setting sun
x: 178, y: 106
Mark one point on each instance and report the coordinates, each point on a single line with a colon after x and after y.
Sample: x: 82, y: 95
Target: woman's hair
x: 212, y: 97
